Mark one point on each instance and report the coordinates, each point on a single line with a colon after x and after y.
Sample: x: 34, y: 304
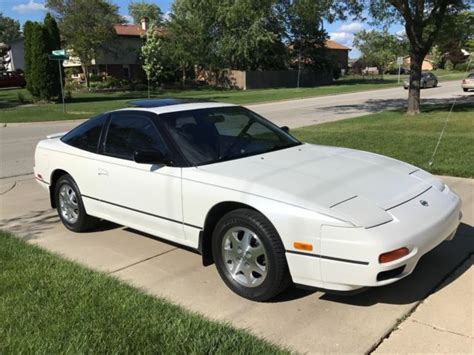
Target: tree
x: 141, y: 9
x: 28, y: 29
x: 152, y: 56
x: 85, y: 25
x: 248, y: 34
x: 53, y: 42
x: 42, y: 75
x: 379, y: 48
x: 215, y: 35
x: 304, y: 31
x: 40, y: 71
x: 9, y: 29
x: 423, y: 20
x: 456, y: 32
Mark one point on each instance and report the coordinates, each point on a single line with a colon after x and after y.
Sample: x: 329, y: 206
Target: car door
x: 146, y: 197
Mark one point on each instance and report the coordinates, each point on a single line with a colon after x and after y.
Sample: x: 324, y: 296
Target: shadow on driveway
x: 430, y: 273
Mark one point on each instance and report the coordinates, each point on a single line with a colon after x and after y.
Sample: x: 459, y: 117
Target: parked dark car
x: 12, y: 79
x: 427, y: 80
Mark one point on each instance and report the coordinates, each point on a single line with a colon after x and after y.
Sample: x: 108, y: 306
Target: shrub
x: 448, y: 65
x: 464, y: 66
x: 73, y: 85
x: 95, y: 78
x: 21, y: 98
x: 68, y: 96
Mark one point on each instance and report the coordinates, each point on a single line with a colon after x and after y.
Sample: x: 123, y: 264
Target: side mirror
x: 149, y: 157
x: 285, y: 129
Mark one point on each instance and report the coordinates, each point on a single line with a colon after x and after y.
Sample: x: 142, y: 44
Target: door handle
x: 102, y: 172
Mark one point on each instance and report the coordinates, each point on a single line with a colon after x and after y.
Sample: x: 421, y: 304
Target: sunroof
x: 155, y: 102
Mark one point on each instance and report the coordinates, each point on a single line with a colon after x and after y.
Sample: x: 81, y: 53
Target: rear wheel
x: 435, y: 84
x: 250, y: 256
x: 465, y: 90
x: 424, y: 85
x: 70, y: 206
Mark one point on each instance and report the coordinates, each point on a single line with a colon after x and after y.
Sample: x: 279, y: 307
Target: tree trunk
x: 183, y: 77
x: 85, y: 69
x: 416, y: 61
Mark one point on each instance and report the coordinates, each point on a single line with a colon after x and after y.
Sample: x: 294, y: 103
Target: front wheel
x: 250, y: 256
x: 70, y: 206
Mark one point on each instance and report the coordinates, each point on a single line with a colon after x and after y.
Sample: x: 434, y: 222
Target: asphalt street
x: 18, y: 141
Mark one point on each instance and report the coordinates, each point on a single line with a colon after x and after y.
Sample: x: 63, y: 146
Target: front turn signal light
x: 393, y: 255
x: 303, y: 246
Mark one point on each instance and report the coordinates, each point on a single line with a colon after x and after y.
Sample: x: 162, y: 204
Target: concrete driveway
x: 303, y: 320
x: 18, y: 141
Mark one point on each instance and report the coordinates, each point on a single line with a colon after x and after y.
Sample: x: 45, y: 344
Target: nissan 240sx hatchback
x: 267, y: 209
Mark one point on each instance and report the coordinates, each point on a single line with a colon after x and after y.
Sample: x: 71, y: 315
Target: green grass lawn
x: 50, y: 306
x: 411, y: 139
x: 85, y: 105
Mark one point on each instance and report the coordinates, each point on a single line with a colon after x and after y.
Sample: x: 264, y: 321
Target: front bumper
x: 348, y: 257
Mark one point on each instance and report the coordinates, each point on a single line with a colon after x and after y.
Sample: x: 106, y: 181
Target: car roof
x: 159, y: 106
x: 156, y: 102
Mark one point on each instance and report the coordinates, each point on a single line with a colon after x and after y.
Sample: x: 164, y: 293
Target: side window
x: 87, y: 135
x: 129, y: 132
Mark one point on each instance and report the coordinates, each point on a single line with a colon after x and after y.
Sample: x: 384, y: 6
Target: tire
x: 465, y: 90
x: 70, y: 207
x: 435, y: 84
x: 259, y: 274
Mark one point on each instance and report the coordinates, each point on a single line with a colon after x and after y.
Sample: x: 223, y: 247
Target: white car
x: 267, y: 209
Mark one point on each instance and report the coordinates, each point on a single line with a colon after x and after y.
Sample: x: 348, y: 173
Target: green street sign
x: 59, y: 52
x: 58, y: 57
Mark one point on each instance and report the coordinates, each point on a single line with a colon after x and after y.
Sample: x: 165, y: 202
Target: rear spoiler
x: 56, y: 135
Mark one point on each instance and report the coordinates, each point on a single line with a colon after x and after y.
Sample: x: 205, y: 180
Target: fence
x: 267, y: 79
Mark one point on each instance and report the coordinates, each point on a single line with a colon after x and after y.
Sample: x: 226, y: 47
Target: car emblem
x: 424, y: 203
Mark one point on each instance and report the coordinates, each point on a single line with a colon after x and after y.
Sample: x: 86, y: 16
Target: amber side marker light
x: 393, y: 255
x: 303, y: 246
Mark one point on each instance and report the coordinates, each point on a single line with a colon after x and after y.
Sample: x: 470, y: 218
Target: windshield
x: 206, y: 136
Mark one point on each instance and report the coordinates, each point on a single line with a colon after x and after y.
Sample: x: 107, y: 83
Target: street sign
x: 59, y: 52
x: 58, y: 57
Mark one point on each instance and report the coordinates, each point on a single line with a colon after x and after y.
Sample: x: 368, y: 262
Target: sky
x: 23, y: 10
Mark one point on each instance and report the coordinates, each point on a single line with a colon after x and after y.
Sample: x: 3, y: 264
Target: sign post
x: 399, y: 63
x: 60, y: 55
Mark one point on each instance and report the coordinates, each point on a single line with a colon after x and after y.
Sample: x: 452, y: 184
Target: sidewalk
x: 442, y: 323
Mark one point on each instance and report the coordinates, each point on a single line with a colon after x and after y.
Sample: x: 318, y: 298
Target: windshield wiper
x: 244, y: 130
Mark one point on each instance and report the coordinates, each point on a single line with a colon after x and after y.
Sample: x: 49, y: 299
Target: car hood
x: 355, y: 186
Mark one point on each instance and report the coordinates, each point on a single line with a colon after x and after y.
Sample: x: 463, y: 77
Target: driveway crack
x: 141, y: 261
x: 8, y: 190
x: 441, y: 329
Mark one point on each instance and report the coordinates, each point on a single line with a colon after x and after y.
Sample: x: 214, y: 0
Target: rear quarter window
x: 87, y: 135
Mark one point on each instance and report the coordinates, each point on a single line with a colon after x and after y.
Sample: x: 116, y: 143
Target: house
x: 119, y: 58
x: 339, y: 52
x: 16, y: 55
x: 427, y: 63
